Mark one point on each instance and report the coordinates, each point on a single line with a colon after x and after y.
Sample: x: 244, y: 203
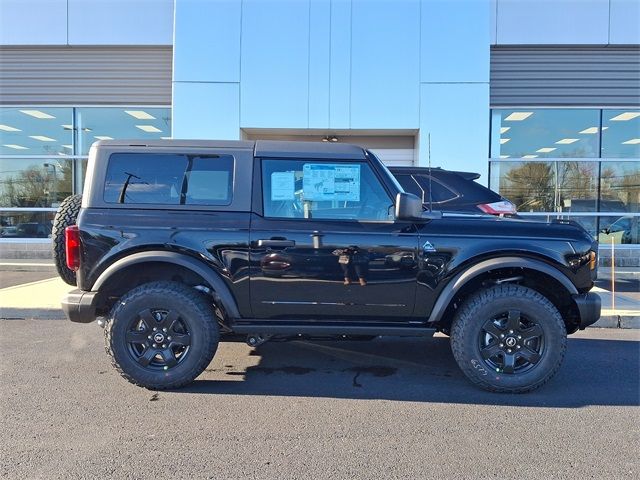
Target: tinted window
x: 169, y: 179
x: 409, y: 185
x: 439, y: 192
x: 312, y: 189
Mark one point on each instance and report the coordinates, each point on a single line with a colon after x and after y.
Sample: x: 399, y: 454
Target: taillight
x: 498, y: 208
x: 72, y: 240
x: 593, y: 260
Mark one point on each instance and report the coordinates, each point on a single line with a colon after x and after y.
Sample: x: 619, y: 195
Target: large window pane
x: 122, y: 123
x: 621, y: 134
x: 620, y: 187
x: 34, y: 182
x: 577, y: 189
x: 25, y: 224
x: 544, y: 133
x: 36, y: 131
x: 531, y: 186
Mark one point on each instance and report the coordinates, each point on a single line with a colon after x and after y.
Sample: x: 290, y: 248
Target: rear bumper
x: 79, y: 306
x: 589, y: 306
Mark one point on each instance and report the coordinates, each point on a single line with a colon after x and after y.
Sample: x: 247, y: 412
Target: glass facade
x: 43, y: 152
x: 578, y: 164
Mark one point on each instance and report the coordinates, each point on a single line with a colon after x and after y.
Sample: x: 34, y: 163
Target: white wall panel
x: 33, y: 22
x: 624, y: 22
x: 560, y: 22
x: 120, y: 22
x: 385, y: 52
x: 207, y: 41
x: 455, y: 41
x: 208, y: 111
x: 457, y: 117
x: 274, y: 84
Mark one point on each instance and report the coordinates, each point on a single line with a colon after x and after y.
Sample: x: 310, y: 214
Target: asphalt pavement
x: 387, y: 408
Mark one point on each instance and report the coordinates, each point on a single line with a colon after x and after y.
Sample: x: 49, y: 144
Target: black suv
x: 182, y: 244
x: 449, y: 190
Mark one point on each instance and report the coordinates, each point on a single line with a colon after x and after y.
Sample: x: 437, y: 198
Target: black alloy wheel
x: 511, y: 343
x: 158, y: 339
x: 162, y: 335
x: 508, y: 338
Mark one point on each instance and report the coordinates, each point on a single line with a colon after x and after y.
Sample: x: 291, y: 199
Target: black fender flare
x: 457, y: 282
x: 210, y: 276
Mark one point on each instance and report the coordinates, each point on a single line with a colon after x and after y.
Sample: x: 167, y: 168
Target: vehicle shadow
x: 595, y: 372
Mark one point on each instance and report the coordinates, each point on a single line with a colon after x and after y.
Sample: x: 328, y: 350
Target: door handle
x: 276, y: 243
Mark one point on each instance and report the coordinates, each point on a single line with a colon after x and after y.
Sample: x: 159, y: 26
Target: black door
x: 326, y: 244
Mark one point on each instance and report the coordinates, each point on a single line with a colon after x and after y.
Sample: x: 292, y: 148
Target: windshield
x: 386, y: 170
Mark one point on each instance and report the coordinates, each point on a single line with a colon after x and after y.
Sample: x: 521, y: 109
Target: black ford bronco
x: 179, y: 245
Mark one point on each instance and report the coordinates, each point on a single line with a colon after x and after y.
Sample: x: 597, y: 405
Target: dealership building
x: 541, y: 97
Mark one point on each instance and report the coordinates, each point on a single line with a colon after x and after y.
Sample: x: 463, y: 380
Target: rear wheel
x: 508, y: 339
x: 161, y: 335
x: 66, y: 215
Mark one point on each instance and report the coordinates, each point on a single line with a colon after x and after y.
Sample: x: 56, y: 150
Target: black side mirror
x: 408, y: 207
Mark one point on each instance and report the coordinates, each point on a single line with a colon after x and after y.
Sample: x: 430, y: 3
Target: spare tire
x: 66, y: 215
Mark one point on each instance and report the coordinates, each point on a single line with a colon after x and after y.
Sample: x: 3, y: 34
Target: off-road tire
x: 66, y: 215
x: 191, y: 307
x: 467, y: 334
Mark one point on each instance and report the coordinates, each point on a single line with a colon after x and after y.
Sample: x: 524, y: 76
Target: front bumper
x: 79, y: 306
x: 589, y: 306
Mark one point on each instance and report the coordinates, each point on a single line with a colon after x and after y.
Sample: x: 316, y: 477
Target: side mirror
x: 408, y: 207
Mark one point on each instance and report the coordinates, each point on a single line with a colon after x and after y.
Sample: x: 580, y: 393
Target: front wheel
x: 509, y: 339
x: 161, y: 335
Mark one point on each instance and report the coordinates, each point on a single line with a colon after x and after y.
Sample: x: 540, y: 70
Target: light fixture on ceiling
x: 518, y: 116
x: 103, y: 137
x: 16, y: 147
x: 37, y: 114
x: 567, y: 141
x: 504, y: 129
x: 8, y: 128
x: 140, y: 114
x: 590, y: 130
x: 67, y: 126
x: 504, y: 140
x: 633, y: 141
x: 69, y: 147
x: 42, y: 138
x: 331, y: 138
x: 165, y: 138
x: 546, y: 150
x: 530, y: 156
x: 623, y: 117
x: 148, y: 128
x: 505, y: 156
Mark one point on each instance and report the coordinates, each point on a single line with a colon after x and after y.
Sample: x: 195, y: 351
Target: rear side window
x: 169, y: 179
x: 439, y: 192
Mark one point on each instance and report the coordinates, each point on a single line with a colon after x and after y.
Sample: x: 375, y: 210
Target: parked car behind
x: 452, y: 190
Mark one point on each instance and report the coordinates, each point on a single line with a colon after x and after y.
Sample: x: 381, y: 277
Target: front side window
x: 323, y: 190
x: 169, y: 179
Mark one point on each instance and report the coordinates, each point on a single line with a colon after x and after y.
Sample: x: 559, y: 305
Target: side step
x: 274, y: 328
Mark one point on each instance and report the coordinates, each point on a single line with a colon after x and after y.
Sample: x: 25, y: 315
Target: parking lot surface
x: 387, y: 408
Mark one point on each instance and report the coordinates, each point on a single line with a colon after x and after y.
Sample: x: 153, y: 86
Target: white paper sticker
x: 322, y: 181
x: 283, y: 186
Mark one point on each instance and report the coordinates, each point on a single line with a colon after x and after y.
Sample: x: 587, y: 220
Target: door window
x: 323, y: 190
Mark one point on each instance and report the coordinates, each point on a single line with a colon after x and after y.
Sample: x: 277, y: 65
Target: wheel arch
x: 172, y: 264
x: 536, y: 274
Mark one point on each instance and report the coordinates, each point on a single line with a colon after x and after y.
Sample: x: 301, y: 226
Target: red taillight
x: 498, y: 208
x: 72, y: 240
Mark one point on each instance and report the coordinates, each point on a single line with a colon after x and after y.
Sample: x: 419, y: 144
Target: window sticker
x: 283, y: 186
x: 323, y: 181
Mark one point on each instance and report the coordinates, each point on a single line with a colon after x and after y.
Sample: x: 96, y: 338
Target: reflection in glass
x: 95, y: 123
x: 577, y: 187
x: 620, y: 187
x: 531, y: 186
x: 36, y: 131
x: 34, y: 183
x: 621, y: 133
x: 25, y: 224
x: 544, y: 133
